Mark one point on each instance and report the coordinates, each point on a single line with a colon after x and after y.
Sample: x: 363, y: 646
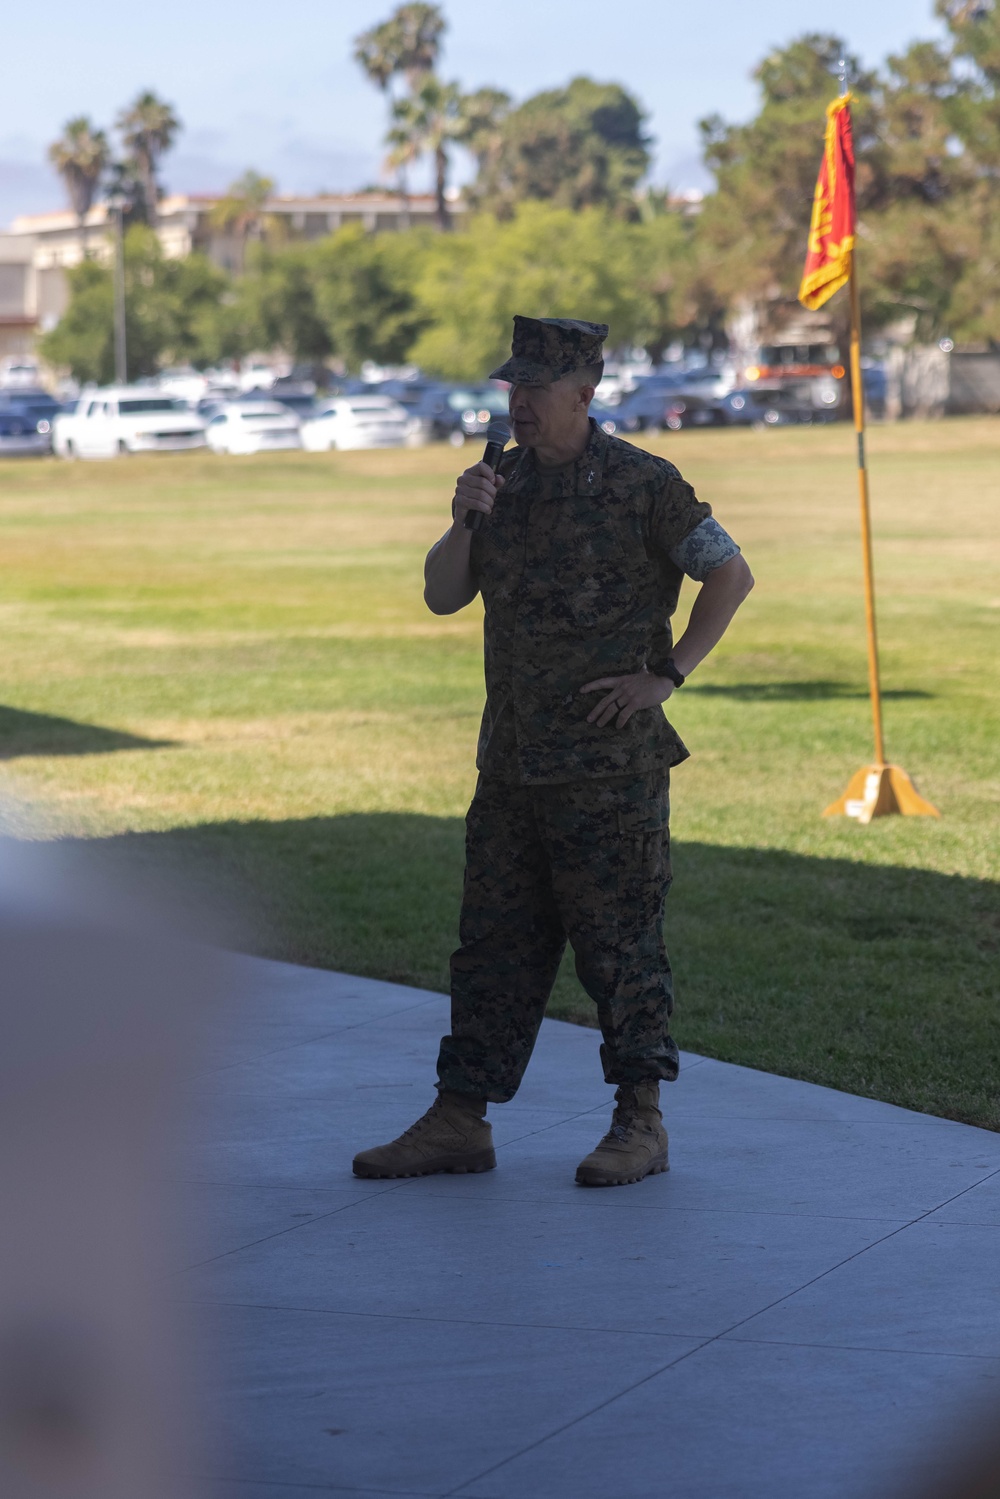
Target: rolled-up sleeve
x: 704, y: 549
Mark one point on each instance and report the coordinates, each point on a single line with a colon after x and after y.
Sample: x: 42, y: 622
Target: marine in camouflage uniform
x: 580, y: 568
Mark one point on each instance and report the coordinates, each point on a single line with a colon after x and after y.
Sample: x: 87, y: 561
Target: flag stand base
x: 878, y: 791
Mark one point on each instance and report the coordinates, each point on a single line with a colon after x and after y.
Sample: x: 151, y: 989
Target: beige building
x: 39, y: 247
x: 19, y: 316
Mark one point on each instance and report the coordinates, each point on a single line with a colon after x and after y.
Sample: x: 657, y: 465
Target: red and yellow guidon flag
x: 831, y: 232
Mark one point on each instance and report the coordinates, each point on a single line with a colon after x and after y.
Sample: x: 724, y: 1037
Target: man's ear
x: 587, y: 393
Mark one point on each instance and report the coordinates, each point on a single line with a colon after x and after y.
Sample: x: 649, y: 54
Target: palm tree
x: 426, y: 122
x: 408, y: 43
x: 420, y: 29
x: 376, y: 55
x: 483, y: 115
x: 148, y: 127
x: 241, y: 211
x: 80, y: 156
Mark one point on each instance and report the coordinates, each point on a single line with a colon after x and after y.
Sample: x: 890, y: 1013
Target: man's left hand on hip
x: 624, y: 695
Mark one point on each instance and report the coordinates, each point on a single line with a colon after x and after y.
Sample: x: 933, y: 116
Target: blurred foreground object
x: 95, y: 1019
x: 966, y: 1466
x: 878, y: 789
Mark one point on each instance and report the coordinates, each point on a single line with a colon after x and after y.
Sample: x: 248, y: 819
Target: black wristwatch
x: 666, y: 668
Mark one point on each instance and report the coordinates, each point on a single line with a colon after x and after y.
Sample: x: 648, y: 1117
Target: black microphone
x: 497, y: 438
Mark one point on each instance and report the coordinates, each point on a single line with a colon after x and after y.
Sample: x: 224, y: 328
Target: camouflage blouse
x: 578, y: 582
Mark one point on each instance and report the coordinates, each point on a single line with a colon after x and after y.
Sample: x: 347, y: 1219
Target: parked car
x: 35, y: 411
x: 256, y: 374
x: 353, y: 385
x: 212, y: 404
x: 19, y: 433
x: 304, y: 406
x: 708, y: 381
x: 183, y: 382
x: 18, y: 372
x: 432, y: 418
x: 356, y: 422
x: 875, y: 385
x: 693, y: 410
x: 476, y: 406
x: 34, y: 396
x: 126, y: 419
x: 779, y: 406
x: 641, y: 409
x: 662, y: 380
x: 246, y: 426
x: 298, y: 395
x: 611, y: 389
x: 606, y: 417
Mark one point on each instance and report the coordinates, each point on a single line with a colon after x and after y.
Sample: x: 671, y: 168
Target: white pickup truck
x: 124, y: 419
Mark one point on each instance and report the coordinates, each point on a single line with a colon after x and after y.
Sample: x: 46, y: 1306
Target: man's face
x: 546, y: 415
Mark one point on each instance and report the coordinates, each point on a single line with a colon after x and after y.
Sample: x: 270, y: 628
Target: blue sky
x: 274, y: 87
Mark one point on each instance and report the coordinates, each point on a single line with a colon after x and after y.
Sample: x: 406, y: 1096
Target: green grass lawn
x: 224, y: 668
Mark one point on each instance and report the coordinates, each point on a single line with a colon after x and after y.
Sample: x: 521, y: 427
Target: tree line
x: 562, y: 225
x: 579, y: 146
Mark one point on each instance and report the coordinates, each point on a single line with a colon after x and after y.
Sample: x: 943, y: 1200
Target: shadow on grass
x: 24, y: 733
x: 881, y: 981
x: 797, y: 692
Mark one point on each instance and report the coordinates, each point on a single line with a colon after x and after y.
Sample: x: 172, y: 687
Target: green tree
x: 927, y: 144
x: 974, y: 311
x: 148, y: 127
x: 427, y: 122
x: 542, y: 262
x: 916, y: 104
x: 243, y: 211
x: 910, y: 260
x: 914, y: 230
x: 365, y: 293
x: 124, y: 187
x: 275, y: 306
x: 975, y: 32
x: 171, y: 313
x: 80, y: 156
x: 408, y: 43
x: 483, y: 114
x: 677, y: 299
x: 752, y: 230
x: 210, y: 325
x: 581, y: 146
x: 351, y: 295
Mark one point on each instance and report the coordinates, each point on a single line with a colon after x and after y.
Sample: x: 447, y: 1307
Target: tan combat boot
x: 452, y: 1136
x: 636, y: 1144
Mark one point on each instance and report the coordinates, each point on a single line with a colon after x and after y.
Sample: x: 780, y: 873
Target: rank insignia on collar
x: 590, y: 477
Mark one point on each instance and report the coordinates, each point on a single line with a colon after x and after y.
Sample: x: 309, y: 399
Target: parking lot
x: 256, y: 409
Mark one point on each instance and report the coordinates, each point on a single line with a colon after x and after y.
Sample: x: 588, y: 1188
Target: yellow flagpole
x: 858, y: 402
x: 878, y: 789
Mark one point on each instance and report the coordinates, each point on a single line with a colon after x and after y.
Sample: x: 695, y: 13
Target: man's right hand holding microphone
x: 475, y: 493
x: 448, y: 581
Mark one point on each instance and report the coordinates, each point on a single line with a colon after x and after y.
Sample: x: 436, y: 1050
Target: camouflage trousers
x: 588, y: 861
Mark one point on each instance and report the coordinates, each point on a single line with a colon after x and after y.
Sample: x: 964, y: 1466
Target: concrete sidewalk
x: 790, y: 1313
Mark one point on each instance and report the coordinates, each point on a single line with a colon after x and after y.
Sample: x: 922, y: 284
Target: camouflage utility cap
x: 544, y: 349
